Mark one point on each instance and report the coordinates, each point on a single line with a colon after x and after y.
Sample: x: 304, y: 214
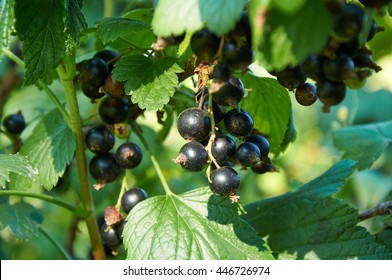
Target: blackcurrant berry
x: 114, y: 88
x: 223, y: 148
x: 313, y: 67
x: 306, y: 94
x: 99, y: 139
x: 348, y: 24
x: 339, y: 69
x: 205, y: 44
x: 231, y: 93
x: 374, y: 29
x: 108, y: 56
x: 132, y: 197
x: 129, y: 155
x: 237, y: 57
x: 247, y: 154
x: 113, y: 110
x: 263, y: 167
x: 194, y: 124
x: 374, y: 3
x: 238, y: 123
x: 104, y: 168
x: 241, y: 28
x: 262, y: 143
x: 221, y: 72
x: 219, y: 111
x: 93, y: 75
x: 110, y: 236
x: 192, y: 156
x: 224, y: 181
x: 291, y: 77
x: 364, y: 60
x: 14, y: 123
x: 330, y: 93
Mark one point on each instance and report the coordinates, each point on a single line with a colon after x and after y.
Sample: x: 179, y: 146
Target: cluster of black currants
x: 105, y: 166
x: 344, y: 62
x: 112, y: 226
x: 114, y: 109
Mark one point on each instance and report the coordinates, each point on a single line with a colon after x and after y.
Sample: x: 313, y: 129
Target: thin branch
x: 384, y: 208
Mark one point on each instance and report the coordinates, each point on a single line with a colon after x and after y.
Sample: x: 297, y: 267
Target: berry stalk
x: 67, y: 73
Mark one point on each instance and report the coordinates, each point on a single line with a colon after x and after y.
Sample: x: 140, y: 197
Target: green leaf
x: 286, y: 6
x: 311, y: 225
x: 372, y: 138
x: 194, y: 225
x: 40, y: 26
x: 50, y: 148
x: 15, y: 164
x: 150, y: 82
x: 284, y: 39
x: 6, y: 20
x: 175, y: 17
x: 74, y: 20
x: 110, y: 29
x: 269, y: 104
x: 22, y: 218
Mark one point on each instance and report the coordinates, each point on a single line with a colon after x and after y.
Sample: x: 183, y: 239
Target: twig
x: 384, y: 208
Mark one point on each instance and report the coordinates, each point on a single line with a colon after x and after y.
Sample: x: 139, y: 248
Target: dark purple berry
x: 129, y: 155
x: 247, y: 154
x: 224, y: 181
x: 104, y: 168
x: 223, y: 148
x: 14, y: 123
x: 205, y: 44
x: 132, y: 197
x: 291, y: 77
x: 110, y: 236
x: 262, y: 143
x: 238, y: 123
x: 231, y: 93
x: 194, y: 124
x: 306, y: 94
x: 113, y: 110
x: 192, y: 156
x: 99, y: 139
x: 330, y: 93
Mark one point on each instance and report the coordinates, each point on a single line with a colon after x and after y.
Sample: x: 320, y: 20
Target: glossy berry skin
x: 104, y: 168
x: 306, y: 94
x: 224, y: 181
x: 339, y: 69
x: 247, y: 154
x: 313, y: 67
x: 262, y: 143
x: 221, y: 72
x: 291, y: 77
x: 194, y: 124
x: 330, y: 93
x: 238, y: 123
x: 93, y: 75
x: 107, y: 56
x: 113, y: 110
x: 348, y: 24
x: 132, y: 197
x: 192, y: 156
x: 223, y: 148
x: 14, y: 123
x: 205, y: 44
x: 237, y: 57
x: 99, y: 139
x: 110, y: 236
x: 129, y: 155
x: 219, y: 111
x: 231, y: 93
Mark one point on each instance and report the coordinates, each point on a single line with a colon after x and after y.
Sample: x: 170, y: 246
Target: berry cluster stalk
x: 67, y: 73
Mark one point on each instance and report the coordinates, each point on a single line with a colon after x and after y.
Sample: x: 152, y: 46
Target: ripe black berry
x: 237, y: 57
x: 223, y: 148
x: 110, y: 236
x: 218, y: 111
x: 330, y: 93
x: 132, y: 197
x: 113, y: 110
x: 247, y: 154
x: 291, y: 77
x: 313, y: 67
x: 306, y: 94
x: 348, y: 23
x: 231, y: 93
x: 262, y: 143
x: 238, y: 123
x: 104, y: 168
x: 224, y: 181
x: 194, y: 124
x: 339, y: 69
x: 221, y: 72
x: 205, y: 44
x: 193, y: 156
x: 14, y: 123
x: 107, y: 56
x: 93, y: 75
x: 241, y: 29
x: 129, y: 155
x: 99, y: 139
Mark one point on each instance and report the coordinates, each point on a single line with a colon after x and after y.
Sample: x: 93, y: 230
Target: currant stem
x: 74, y: 210
x: 42, y: 84
x: 67, y: 73
x: 212, y: 137
x: 136, y: 129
